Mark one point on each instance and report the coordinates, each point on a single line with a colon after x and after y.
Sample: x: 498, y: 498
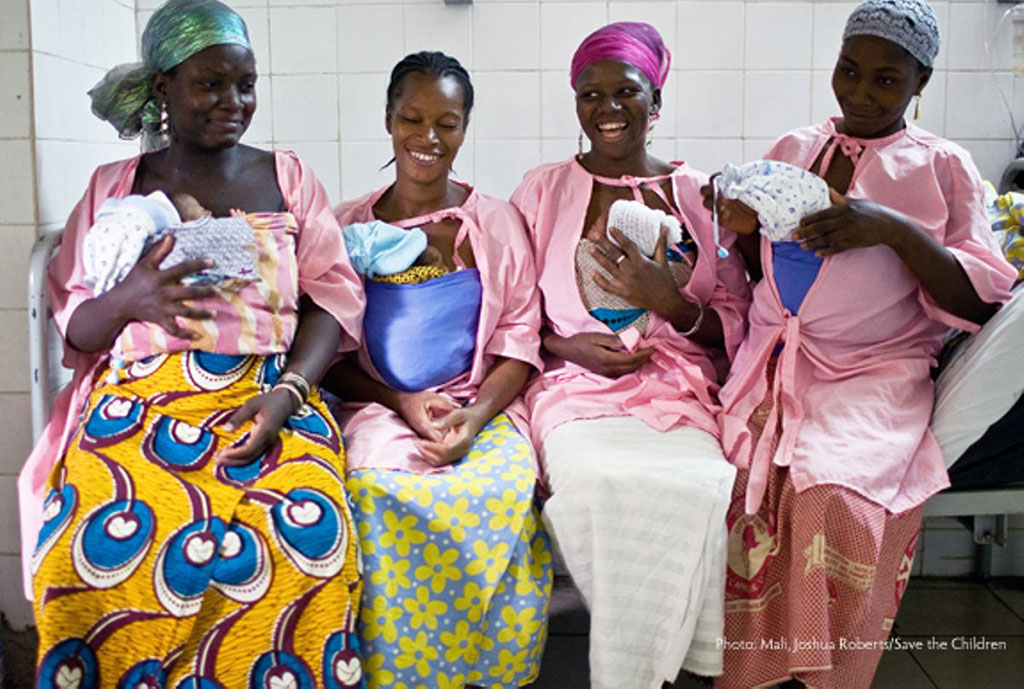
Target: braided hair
x: 432, y: 63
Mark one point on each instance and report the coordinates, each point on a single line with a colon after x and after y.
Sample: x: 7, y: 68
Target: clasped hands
x: 446, y: 430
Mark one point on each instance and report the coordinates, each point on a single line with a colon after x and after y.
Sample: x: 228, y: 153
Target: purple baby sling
x: 421, y: 335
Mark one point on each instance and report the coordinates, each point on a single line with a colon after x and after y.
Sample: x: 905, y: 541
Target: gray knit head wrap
x: 175, y: 32
x: 910, y: 24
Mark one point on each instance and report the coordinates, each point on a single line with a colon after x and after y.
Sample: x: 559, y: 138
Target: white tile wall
x: 17, y: 233
x: 731, y: 61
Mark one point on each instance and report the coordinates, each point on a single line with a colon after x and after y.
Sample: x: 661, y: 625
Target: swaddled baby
x: 127, y: 228
x: 643, y: 226
x: 780, y: 193
x: 388, y: 253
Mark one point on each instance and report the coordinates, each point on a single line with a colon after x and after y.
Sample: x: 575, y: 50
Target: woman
x: 195, y: 526
x: 827, y: 405
x: 438, y: 464
x: 625, y: 424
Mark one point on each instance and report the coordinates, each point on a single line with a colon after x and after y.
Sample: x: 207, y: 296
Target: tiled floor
x: 934, y: 610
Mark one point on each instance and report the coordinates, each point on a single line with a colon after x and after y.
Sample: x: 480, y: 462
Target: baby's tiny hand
x: 237, y: 213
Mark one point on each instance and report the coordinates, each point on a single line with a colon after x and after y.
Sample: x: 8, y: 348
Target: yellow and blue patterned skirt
x: 157, y: 568
x: 458, y: 569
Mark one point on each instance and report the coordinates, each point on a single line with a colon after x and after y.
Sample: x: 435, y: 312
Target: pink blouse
x: 676, y: 386
x: 320, y: 269
x: 375, y: 436
x: 852, y: 381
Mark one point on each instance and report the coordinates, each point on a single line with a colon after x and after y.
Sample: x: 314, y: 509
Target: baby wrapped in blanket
x: 643, y: 226
x: 780, y: 193
x: 127, y: 228
x: 388, y: 253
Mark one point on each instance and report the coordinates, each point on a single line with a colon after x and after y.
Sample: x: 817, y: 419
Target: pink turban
x: 634, y: 43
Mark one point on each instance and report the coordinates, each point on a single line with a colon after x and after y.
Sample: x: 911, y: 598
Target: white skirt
x: 639, y: 518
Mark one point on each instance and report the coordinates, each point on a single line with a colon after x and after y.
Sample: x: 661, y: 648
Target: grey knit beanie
x: 910, y: 24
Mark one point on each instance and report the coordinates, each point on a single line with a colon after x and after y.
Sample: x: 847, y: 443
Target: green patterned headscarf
x: 175, y: 32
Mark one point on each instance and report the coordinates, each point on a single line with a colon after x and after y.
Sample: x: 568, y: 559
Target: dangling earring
x: 164, y: 126
x: 579, y: 143
x: 917, y: 107
x: 655, y: 116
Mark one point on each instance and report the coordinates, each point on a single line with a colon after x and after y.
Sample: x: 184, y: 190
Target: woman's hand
x: 422, y: 410
x: 146, y: 294
x: 733, y: 215
x: 151, y: 294
x: 598, y: 352
x: 457, y: 430
x: 849, y: 224
x: 643, y: 282
x: 268, y: 413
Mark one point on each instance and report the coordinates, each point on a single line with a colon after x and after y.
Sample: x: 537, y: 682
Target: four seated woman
x: 190, y: 481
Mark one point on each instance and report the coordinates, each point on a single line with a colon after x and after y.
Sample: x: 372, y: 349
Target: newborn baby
x: 127, y: 228
x: 641, y: 225
x: 388, y: 253
x: 781, y: 194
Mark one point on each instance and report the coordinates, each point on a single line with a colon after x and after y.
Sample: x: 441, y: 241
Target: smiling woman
x: 624, y: 413
x: 192, y: 526
x: 826, y: 409
x: 439, y: 464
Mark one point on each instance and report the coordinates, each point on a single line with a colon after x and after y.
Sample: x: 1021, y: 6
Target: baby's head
x: 188, y: 208
x: 889, y: 47
x: 430, y: 257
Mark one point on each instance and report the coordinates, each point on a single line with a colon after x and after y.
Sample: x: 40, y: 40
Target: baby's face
x: 430, y: 257
x: 188, y: 207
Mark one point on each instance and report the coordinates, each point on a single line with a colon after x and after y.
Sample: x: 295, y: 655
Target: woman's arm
x: 855, y: 223
x: 316, y: 341
x: 146, y: 294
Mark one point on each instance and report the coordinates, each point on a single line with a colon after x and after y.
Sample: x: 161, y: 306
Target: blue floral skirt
x: 458, y: 569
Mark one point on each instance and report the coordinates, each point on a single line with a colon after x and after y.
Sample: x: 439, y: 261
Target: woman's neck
x: 409, y: 199
x: 191, y: 161
x: 641, y: 164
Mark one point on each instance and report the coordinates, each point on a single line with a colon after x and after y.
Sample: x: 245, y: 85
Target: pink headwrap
x: 634, y: 43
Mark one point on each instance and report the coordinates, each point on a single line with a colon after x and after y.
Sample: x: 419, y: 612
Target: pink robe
x: 853, y: 377
x: 675, y: 387
x: 375, y: 436
x: 324, y: 274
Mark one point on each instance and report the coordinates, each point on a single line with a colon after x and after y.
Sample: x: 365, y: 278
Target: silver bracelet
x: 299, y: 381
x: 697, y: 323
x: 293, y: 390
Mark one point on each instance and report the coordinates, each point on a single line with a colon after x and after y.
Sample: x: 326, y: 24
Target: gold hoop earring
x: 917, y: 107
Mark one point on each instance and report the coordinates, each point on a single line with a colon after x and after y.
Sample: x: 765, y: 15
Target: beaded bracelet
x: 697, y: 323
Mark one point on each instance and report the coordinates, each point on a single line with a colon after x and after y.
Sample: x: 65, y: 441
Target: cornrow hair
x: 433, y: 63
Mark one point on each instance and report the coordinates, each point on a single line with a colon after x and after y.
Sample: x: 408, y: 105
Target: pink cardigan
x: 324, y: 274
x: 675, y: 387
x: 853, y: 375
x: 375, y: 436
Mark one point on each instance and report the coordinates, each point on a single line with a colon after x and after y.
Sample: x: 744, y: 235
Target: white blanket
x: 639, y: 518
